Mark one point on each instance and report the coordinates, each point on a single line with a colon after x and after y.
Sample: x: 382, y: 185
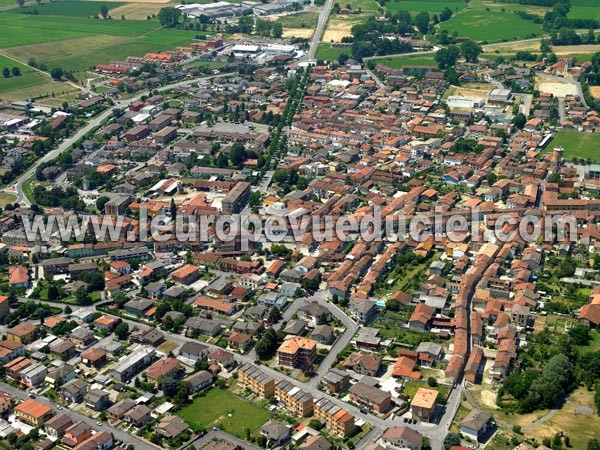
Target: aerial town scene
x: 299, y: 224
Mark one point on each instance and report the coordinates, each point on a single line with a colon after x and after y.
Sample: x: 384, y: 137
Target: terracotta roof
x: 33, y: 408
x: 425, y: 398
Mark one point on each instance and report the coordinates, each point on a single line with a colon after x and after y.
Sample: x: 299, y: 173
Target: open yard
x: 491, y: 26
x: 329, y: 53
x: 5, y: 199
x: 220, y: 408
x: 301, y: 24
x: 403, y: 61
x: 577, y: 419
x: 576, y: 144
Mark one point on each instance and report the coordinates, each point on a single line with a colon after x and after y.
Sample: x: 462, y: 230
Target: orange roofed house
x: 297, y: 351
x: 33, y: 412
x: 23, y: 333
x: 186, y: 274
x: 424, y: 404
x: 162, y: 368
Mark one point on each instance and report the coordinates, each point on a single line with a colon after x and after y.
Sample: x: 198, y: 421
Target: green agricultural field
x: 27, y: 80
x: 366, y: 6
x: 576, y: 145
x: 77, y: 45
x: 76, y: 8
x: 329, y: 53
x: 220, y: 408
x: 584, y: 2
x: 23, y: 29
x: 584, y: 12
x: 491, y: 26
x: 403, y: 61
x: 417, y: 6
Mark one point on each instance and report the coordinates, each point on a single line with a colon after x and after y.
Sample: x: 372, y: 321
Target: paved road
x: 321, y: 24
x: 117, y: 434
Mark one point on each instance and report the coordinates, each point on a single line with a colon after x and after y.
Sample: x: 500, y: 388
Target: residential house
x: 74, y: 391
x: 370, y: 396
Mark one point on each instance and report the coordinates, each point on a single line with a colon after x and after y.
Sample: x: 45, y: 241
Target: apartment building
x: 295, y: 399
x: 237, y: 198
x: 337, y: 420
x: 129, y: 366
x: 297, y: 351
x: 256, y: 380
x: 370, y: 396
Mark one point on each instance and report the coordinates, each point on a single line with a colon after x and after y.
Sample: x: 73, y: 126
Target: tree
x: 520, y: 120
x: 82, y: 298
x: 491, y: 178
x: 392, y: 305
x: 545, y: 47
x: 237, y: 154
x: 6, y: 72
x: 274, y: 315
x: 122, y: 331
x: 169, y: 17
x: 432, y: 382
x: 254, y: 199
x: 101, y: 201
x: 580, y: 334
x: 53, y: 293
x: 276, y: 29
x: 68, y: 310
x: 32, y: 62
x: 593, y: 444
x: 422, y: 22
x: 169, y: 386
x: 104, y: 10
x: 470, y: 51
x: 16, y: 72
x: 447, y: 57
x: 56, y: 73
x: 21, y: 3
x: 451, y: 440
x: 246, y: 24
x: 173, y: 209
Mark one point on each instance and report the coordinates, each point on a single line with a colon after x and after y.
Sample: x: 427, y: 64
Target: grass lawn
x: 403, y: 61
x: 28, y: 190
x: 5, y: 199
x: 594, y: 345
x: 491, y: 26
x: 329, y: 53
x: 411, y: 387
x: 220, y: 408
x: 576, y: 144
